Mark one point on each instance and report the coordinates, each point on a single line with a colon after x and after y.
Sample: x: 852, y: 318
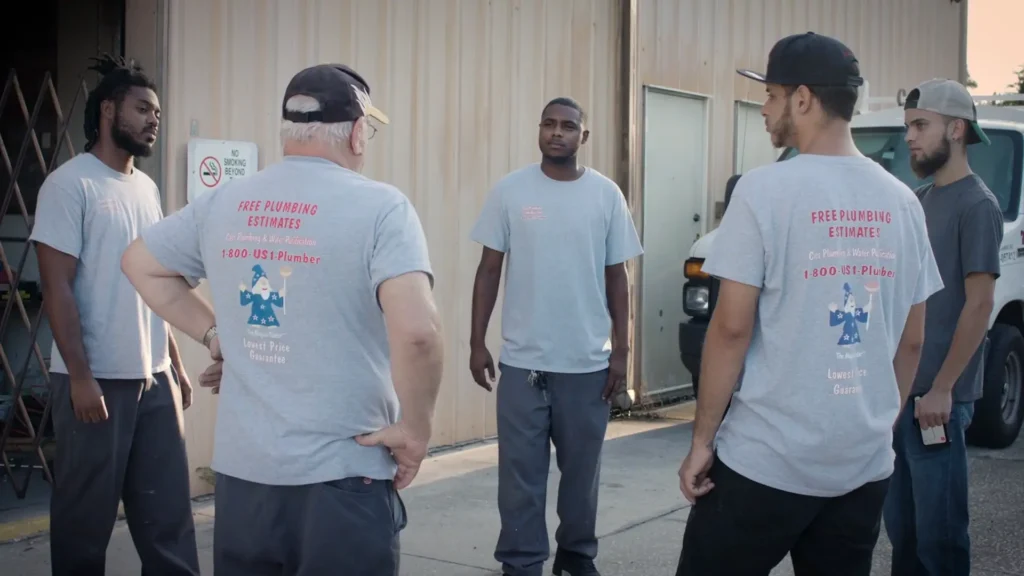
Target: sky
x: 994, y: 47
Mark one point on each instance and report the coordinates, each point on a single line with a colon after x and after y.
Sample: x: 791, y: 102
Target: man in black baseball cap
x: 808, y: 253
x: 321, y: 287
x: 817, y: 75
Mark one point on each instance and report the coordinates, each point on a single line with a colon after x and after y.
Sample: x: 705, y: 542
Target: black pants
x: 349, y: 526
x: 136, y: 456
x: 742, y: 528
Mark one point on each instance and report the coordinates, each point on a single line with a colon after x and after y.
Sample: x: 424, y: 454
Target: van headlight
x: 696, y: 300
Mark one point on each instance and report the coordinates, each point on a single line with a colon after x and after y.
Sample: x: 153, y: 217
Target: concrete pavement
x: 454, y: 520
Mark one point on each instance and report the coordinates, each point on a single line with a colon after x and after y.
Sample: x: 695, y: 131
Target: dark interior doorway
x: 45, y: 51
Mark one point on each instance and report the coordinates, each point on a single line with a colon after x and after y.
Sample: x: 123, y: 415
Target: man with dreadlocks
x: 116, y: 377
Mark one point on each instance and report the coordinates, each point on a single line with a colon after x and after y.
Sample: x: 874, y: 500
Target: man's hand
x: 482, y: 366
x: 186, y: 387
x: 933, y: 408
x: 87, y: 400
x: 617, y: 365
x: 210, y: 378
x: 693, y: 473
x: 407, y: 450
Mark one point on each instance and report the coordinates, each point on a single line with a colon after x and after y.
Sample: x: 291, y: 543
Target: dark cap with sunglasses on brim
x: 343, y: 94
x: 949, y: 98
x: 811, y: 60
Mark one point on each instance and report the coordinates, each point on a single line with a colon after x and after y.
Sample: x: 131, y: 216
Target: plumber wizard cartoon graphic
x: 850, y: 315
x: 262, y: 298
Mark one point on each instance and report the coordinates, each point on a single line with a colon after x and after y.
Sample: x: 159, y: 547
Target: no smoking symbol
x: 210, y: 171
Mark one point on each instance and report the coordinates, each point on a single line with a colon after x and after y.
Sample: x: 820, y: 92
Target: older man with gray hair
x: 325, y: 320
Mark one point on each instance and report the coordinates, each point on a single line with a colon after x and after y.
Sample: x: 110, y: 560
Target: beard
x: 124, y: 140
x: 931, y: 163
x: 560, y: 160
x: 783, y: 130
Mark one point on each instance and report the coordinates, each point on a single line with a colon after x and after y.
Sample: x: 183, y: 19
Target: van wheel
x: 999, y: 412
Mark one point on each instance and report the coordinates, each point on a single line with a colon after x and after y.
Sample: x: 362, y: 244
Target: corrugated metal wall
x: 697, y: 45
x: 463, y: 82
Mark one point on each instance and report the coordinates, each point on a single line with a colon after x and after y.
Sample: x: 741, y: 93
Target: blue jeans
x: 926, y: 510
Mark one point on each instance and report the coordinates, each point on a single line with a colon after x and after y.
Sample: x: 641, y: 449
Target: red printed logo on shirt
x: 533, y: 213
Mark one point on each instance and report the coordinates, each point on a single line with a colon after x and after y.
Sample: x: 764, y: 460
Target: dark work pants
x: 136, y: 456
x: 349, y: 526
x: 926, y: 512
x: 743, y: 528
x: 534, y: 410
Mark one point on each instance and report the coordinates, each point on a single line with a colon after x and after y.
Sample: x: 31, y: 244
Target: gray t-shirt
x: 558, y: 237
x: 92, y: 212
x: 839, y: 249
x: 294, y: 255
x: 965, y: 225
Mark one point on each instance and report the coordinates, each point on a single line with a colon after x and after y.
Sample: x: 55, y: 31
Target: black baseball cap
x: 342, y: 93
x: 811, y: 60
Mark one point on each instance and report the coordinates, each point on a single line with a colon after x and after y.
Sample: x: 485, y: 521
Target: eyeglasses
x: 373, y: 130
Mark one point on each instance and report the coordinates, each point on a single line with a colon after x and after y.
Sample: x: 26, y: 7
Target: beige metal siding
x: 463, y: 83
x: 697, y: 45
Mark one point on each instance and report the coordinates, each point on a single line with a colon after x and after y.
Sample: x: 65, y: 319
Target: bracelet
x: 210, y: 335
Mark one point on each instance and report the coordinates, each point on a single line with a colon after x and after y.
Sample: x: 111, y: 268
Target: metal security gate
x: 25, y: 408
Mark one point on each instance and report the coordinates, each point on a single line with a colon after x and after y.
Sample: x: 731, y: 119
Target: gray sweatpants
x: 535, y: 409
x: 349, y: 526
x: 136, y: 456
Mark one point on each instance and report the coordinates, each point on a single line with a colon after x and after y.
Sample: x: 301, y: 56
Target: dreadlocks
x: 119, y: 75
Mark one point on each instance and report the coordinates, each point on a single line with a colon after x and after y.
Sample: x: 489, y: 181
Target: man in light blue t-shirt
x: 321, y: 283
x: 825, y: 268
x: 117, y: 384
x: 567, y: 233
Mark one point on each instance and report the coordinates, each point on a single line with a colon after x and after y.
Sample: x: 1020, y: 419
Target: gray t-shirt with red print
x: 559, y: 236
x: 840, y: 251
x: 294, y: 255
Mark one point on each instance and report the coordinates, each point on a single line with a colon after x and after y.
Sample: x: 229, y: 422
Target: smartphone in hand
x: 934, y: 436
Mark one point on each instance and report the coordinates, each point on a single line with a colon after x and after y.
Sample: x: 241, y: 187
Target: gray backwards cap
x: 948, y: 98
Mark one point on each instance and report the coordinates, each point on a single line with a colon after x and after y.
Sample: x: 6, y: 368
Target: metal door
x: 752, y: 145
x: 675, y: 215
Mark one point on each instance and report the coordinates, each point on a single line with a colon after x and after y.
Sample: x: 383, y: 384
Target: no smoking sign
x: 213, y: 163
x: 210, y: 171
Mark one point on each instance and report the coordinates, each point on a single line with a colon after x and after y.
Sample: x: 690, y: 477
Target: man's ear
x: 802, y: 99
x: 957, y: 130
x: 108, y: 109
x: 357, y: 141
x: 586, y: 134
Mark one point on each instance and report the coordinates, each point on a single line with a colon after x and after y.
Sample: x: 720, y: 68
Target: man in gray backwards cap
x: 926, y: 510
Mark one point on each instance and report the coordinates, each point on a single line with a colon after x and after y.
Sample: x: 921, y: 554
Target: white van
x: 879, y: 135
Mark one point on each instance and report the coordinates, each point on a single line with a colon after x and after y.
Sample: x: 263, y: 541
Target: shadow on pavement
x: 453, y: 518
